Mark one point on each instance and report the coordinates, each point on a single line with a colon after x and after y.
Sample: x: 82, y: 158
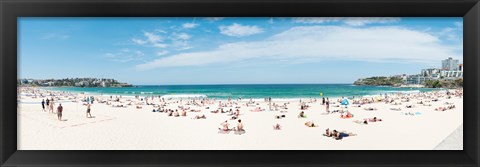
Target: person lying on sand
x: 257, y: 109
x: 200, y: 117
x: 347, y: 115
x: 277, y: 127
x: 364, y: 122
x: 139, y: 107
x: 310, y: 124
x: 408, y: 113
x: 119, y: 105
x: 302, y: 115
x: 328, y: 133
x: 395, y: 109
x: 279, y: 116
x: 370, y: 109
x: 340, y: 135
x: 334, y: 111
x: 374, y: 119
x: 409, y: 106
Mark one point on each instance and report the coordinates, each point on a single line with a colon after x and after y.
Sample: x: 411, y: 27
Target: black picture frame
x: 11, y: 9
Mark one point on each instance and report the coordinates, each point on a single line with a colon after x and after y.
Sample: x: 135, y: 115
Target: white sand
x: 142, y: 129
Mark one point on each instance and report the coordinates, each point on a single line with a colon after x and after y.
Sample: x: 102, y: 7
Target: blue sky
x: 262, y: 50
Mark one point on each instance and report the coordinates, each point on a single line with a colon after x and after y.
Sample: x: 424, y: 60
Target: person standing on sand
x: 59, y: 112
x: 47, y: 102
x: 88, y: 111
x: 43, y: 104
x: 328, y: 106
x: 51, y: 105
x: 323, y: 100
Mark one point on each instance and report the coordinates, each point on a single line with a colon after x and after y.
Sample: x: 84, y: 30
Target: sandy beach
x: 420, y: 127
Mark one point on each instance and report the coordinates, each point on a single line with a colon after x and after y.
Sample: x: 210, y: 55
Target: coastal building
x: 417, y: 79
x: 451, y: 74
x: 450, y: 64
x: 430, y: 72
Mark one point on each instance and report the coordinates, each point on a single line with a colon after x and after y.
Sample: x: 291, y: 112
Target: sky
x: 234, y: 50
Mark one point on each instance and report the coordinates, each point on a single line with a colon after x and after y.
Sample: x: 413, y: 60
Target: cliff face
x: 379, y: 81
x: 397, y: 81
x: 457, y: 83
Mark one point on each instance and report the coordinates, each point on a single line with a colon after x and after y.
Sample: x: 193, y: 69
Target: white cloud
x: 124, y: 55
x: 214, y: 18
x: 138, y: 41
x: 189, y: 25
x: 151, y: 39
x: 238, y: 30
x: 316, y: 43
x: 352, y: 21
x: 159, y: 45
x: 161, y: 53
x: 453, y: 33
x: 183, y: 36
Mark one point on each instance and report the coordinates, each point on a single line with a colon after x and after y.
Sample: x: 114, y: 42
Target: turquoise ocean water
x: 255, y: 91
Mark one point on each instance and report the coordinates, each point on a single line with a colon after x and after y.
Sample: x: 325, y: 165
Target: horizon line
x: 241, y: 84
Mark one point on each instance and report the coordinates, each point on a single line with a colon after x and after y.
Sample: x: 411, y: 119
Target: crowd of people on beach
x: 231, y: 109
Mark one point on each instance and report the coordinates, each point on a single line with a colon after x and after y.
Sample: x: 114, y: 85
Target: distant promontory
x: 73, y: 82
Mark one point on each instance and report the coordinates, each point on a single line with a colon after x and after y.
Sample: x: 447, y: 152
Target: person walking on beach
x: 323, y: 100
x: 47, y: 102
x: 59, y: 112
x: 43, y: 104
x: 88, y: 111
x: 51, y: 106
x: 328, y: 106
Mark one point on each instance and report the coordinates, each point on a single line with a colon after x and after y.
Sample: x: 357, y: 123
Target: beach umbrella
x: 345, y: 102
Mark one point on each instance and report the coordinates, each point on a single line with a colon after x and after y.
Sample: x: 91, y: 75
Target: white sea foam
x: 176, y: 96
